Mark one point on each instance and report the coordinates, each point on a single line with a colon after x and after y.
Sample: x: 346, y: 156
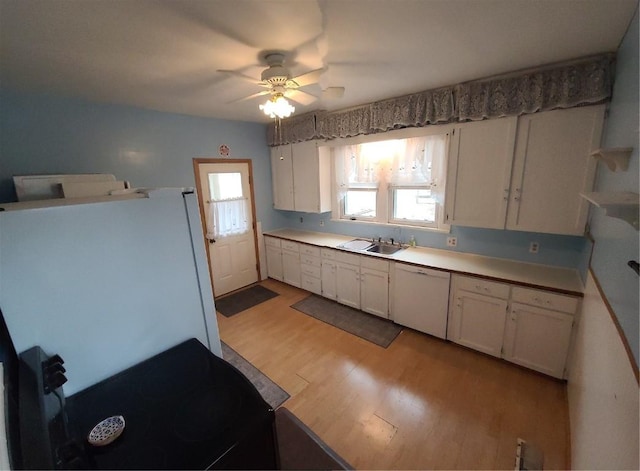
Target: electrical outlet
x: 452, y: 241
x: 322, y: 222
x: 301, y: 219
x: 533, y: 247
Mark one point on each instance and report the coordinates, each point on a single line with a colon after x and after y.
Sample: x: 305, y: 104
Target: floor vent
x: 528, y: 457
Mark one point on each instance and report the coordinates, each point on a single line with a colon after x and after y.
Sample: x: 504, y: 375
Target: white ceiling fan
x: 278, y: 82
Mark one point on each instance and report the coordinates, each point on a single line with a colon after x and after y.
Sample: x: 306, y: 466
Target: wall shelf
x: 616, y: 158
x: 622, y: 205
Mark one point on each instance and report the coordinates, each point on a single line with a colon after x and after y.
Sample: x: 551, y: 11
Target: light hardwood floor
x: 421, y: 403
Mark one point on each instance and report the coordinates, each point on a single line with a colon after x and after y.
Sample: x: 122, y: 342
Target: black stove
x: 184, y: 408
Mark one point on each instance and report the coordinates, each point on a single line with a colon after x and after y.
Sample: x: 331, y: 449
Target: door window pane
x: 224, y: 186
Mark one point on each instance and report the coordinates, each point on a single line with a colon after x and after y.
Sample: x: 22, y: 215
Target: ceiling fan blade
x: 245, y: 77
x: 308, y: 78
x: 250, y: 97
x: 301, y: 97
x: 333, y: 93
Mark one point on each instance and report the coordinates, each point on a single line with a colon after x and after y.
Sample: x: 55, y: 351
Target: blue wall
x: 41, y: 134
x: 616, y: 242
x: 564, y: 251
x: 45, y: 134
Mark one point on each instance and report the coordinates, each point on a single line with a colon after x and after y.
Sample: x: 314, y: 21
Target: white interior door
x: 230, y: 229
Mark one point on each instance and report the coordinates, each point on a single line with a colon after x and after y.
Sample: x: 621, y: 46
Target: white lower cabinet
x: 291, y: 263
x: 348, y: 284
x: 328, y: 273
x: 310, y: 269
x: 421, y: 299
x: 274, y: 258
x: 374, y: 286
x: 539, y: 330
x: 529, y: 327
x: 477, y: 321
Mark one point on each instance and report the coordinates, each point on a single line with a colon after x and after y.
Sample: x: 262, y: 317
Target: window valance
x: 579, y: 82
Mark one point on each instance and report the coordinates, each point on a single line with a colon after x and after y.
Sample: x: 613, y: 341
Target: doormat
x: 273, y: 394
x: 367, y: 326
x: 242, y: 300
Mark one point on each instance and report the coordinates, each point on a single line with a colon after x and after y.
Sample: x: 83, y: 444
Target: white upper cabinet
x: 301, y: 175
x: 526, y: 177
x: 282, y: 177
x: 552, y: 166
x: 479, y: 173
x: 311, y: 177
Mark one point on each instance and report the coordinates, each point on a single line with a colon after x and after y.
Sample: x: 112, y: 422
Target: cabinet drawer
x: 308, y: 260
x: 342, y: 256
x: 329, y: 254
x: 311, y: 270
x: 374, y: 263
x: 311, y: 283
x: 310, y: 250
x: 545, y: 299
x: 480, y: 286
x: 291, y: 246
x: 272, y: 242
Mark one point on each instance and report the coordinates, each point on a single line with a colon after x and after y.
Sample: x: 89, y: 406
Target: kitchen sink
x: 362, y: 245
x: 384, y: 249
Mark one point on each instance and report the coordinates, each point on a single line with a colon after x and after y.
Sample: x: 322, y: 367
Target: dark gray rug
x: 369, y: 327
x: 273, y: 394
x: 242, y: 300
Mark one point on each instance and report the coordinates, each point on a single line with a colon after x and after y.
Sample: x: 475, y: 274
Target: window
x: 228, y: 206
x: 398, y: 181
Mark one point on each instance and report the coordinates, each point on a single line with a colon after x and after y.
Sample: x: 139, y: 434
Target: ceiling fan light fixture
x: 277, y: 107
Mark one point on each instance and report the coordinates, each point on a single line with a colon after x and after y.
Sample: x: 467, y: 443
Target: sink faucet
x: 391, y: 239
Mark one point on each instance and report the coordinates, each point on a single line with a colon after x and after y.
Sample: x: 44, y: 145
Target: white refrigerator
x: 106, y: 282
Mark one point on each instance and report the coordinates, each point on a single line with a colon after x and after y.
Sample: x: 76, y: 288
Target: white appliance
x: 421, y: 299
x: 107, y: 283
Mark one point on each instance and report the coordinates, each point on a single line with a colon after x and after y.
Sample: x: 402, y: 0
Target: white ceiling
x: 164, y: 55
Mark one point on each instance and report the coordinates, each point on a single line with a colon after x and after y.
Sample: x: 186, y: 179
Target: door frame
x: 211, y: 160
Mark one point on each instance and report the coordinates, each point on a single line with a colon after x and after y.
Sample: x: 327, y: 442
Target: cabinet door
x: 427, y: 312
x: 552, y: 166
x: 311, y: 177
x: 274, y: 262
x: 477, y: 322
x: 538, y: 338
x: 306, y: 190
x: 348, y: 284
x: 291, y: 268
x: 329, y: 275
x: 282, y: 177
x: 479, y: 172
x: 374, y: 292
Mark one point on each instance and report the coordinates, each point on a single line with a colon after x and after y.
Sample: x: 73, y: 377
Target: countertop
x: 559, y: 279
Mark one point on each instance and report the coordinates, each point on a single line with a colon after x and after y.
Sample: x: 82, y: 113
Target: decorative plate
x: 106, y: 431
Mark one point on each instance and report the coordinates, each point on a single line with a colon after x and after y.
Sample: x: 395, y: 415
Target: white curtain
x: 421, y: 162
x: 227, y: 217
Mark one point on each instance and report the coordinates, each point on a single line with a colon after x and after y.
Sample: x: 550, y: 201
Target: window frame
x: 410, y: 222
x: 384, y: 209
